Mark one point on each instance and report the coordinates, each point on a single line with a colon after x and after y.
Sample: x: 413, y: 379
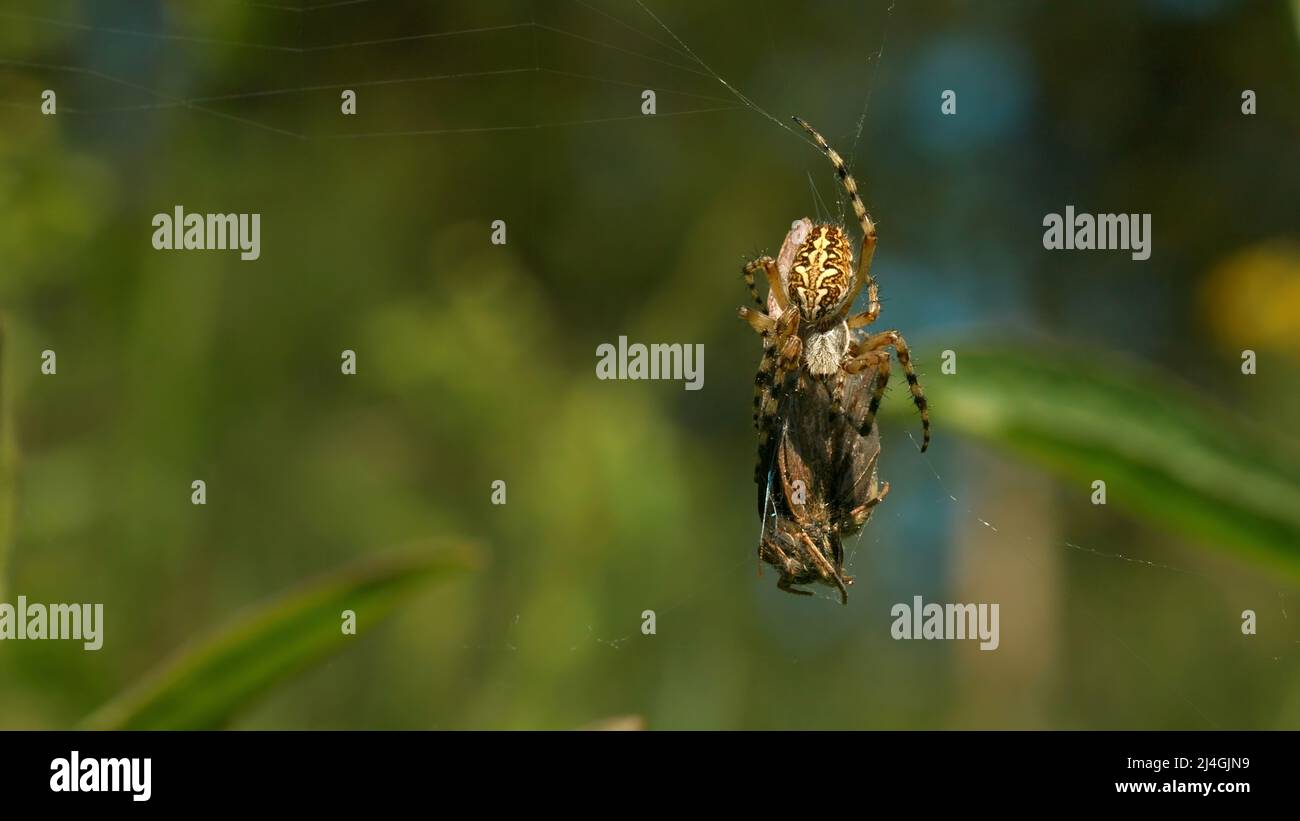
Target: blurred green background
x: 477, y: 362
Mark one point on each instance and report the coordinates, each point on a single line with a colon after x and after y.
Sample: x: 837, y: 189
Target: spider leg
x: 764, y: 378
x: 787, y: 362
x: 880, y: 360
x: 759, y: 321
x: 748, y: 273
x: 873, y: 310
x: 773, y: 281
x: 782, y: 349
x: 766, y: 327
x: 863, y: 276
x: 787, y: 330
x: 876, y: 342
x: 868, y: 248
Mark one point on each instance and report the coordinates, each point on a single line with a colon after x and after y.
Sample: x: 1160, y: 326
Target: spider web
x: 963, y: 509
x: 706, y: 103
x: 652, y: 56
x: 650, y: 43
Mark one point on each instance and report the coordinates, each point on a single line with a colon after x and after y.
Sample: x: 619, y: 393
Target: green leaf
x: 205, y: 685
x: 1165, y: 453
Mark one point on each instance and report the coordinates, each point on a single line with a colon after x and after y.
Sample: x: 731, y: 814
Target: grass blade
x: 1166, y: 454
x: 205, y: 685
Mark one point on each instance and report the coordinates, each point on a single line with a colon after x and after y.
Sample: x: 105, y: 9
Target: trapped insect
x: 821, y: 486
x: 807, y: 330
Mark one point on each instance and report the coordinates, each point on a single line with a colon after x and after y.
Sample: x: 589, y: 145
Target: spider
x: 823, y: 488
x: 807, y: 328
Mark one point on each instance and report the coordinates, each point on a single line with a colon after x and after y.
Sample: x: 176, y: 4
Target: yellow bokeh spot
x: 1252, y: 299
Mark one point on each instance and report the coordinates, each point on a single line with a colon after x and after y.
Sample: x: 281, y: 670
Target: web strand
x: 1182, y: 696
x: 740, y: 96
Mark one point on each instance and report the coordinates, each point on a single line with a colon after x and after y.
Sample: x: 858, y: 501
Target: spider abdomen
x: 822, y: 272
